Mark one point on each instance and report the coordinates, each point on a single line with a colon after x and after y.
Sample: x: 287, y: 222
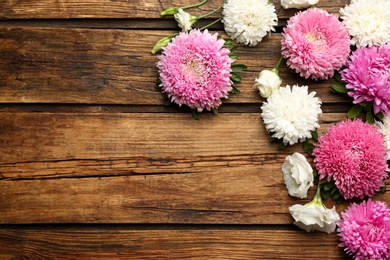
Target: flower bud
x: 161, y: 43
x: 298, y: 175
x: 169, y: 11
x: 185, y: 20
x: 315, y: 216
x: 267, y: 82
x: 297, y: 4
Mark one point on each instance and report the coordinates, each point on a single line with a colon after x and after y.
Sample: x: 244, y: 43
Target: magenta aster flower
x: 195, y: 70
x: 368, y: 77
x: 364, y: 230
x: 353, y: 154
x: 315, y: 43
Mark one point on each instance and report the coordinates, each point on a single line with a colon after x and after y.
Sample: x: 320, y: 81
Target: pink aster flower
x: 195, y: 70
x: 364, y: 230
x: 315, y: 43
x: 353, y: 154
x: 368, y: 77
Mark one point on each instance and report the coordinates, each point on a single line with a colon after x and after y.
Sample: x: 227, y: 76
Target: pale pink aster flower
x: 368, y: 76
x: 195, y: 70
x: 364, y: 230
x: 353, y: 154
x: 315, y: 43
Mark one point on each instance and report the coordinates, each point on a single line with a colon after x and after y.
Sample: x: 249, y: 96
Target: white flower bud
x: 298, y: 4
x: 184, y: 20
x: 298, y: 175
x: 315, y: 216
x: 267, y: 82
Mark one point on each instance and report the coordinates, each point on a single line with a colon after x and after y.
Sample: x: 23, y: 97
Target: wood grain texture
x: 182, y: 243
x: 93, y: 166
x: 243, y: 195
x: 53, y: 65
x: 142, y: 168
x: 52, y: 137
x: 122, y: 8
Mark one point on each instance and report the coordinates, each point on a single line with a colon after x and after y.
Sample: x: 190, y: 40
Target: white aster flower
x: 384, y: 128
x: 298, y: 175
x: 367, y: 21
x: 184, y: 20
x: 248, y: 21
x: 315, y: 216
x: 297, y: 4
x: 291, y: 114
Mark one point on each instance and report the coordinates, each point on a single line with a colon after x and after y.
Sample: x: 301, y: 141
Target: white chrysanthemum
x: 248, y: 21
x: 291, y: 114
x: 384, y: 128
x: 367, y: 21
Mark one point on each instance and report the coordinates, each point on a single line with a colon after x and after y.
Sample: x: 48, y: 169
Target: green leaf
x: 233, y: 49
x: 196, y: 114
x: 325, y: 195
x: 337, y: 77
x: 355, y: 111
x: 370, y: 117
x: 368, y: 106
x: 334, y: 190
x: 336, y: 196
x: 380, y: 115
x: 238, y: 67
x: 315, y: 173
x: 281, y: 146
x: 235, y: 90
x: 314, y: 135
x: 339, y: 88
x: 233, y: 56
x: 235, y: 78
x: 323, y: 181
x: 308, y: 147
x: 382, y: 189
x: 329, y: 186
x: 228, y: 43
x: 167, y: 102
x: 158, y: 82
x: 215, y: 111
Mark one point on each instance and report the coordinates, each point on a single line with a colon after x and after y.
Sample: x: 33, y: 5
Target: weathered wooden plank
x: 106, y: 108
x: 142, y: 168
x: 46, y: 145
x: 242, y: 195
x: 180, y: 243
x: 51, y: 137
x: 121, y: 9
x: 112, y: 67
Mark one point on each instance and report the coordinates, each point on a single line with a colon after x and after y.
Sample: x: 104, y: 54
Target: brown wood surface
x: 166, y: 243
x: 38, y: 9
x: 53, y: 65
x: 93, y: 166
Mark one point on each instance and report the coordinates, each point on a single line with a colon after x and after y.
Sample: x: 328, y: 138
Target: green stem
x: 194, y: 5
x: 276, y: 68
x: 215, y: 10
x: 317, y: 198
x: 207, y: 26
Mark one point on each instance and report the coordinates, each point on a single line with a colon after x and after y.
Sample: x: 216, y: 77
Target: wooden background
x: 92, y: 165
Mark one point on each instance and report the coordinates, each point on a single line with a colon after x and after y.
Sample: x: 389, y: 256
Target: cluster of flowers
x: 196, y: 69
x: 351, y: 160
